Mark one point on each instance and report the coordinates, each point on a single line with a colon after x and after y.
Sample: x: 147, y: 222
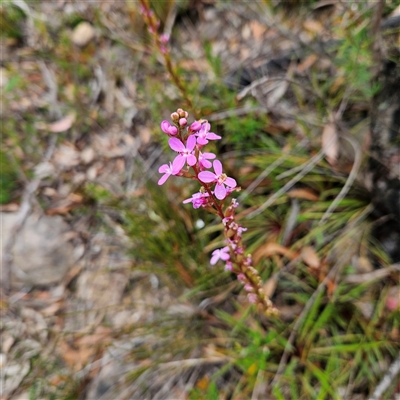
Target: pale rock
x: 41, y: 255
x: 82, y: 34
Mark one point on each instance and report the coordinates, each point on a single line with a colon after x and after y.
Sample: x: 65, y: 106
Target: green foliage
x: 8, y: 178
x: 354, y: 61
x: 11, y: 18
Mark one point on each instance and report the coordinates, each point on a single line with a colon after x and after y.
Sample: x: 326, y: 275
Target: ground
x: 107, y: 288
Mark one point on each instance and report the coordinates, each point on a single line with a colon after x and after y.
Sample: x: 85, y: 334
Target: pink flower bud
x: 183, y: 122
x: 172, y: 130
x: 175, y: 117
x: 196, y: 125
x: 252, y: 298
x: 242, y: 278
x: 164, y: 38
x: 165, y: 125
x: 248, y: 287
x: 229, y: 266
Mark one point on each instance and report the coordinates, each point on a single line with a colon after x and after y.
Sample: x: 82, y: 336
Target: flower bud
x: 196, y: 125
x: 183, y: 122
x: 165, y: 125
x: 248, y: 287
x: 164, y: 38
x: 230, y: 233
x: 182, y: 113
x: 252, y: 298
x: 172, y: 130
x: 175, y: 117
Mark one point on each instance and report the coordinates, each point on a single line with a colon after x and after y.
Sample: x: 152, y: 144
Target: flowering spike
x: 189, y: 152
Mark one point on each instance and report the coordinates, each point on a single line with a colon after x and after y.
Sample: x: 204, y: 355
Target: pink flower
x: 186, y: 152
x: 198, y: 199
x: 204, y: 157
x: 220, y: 178
x: 248, y: 287
x: 166, y: 127
x: 204, y: 134
x: 252, y: 298
x: 164, y: 38
x: 220, y: 254
x: 240, y: 230
x: 195, y: 126
x: 229, y: 266
x: 167, y: 171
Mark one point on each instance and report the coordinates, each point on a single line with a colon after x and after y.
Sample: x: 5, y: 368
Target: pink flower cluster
x: 192, y: 162
x: 188, y: 142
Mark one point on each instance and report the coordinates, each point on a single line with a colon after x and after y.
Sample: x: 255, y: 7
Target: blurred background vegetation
x: 142, y: 314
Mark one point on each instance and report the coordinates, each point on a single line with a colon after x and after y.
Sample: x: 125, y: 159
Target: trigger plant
x: 191, y: 162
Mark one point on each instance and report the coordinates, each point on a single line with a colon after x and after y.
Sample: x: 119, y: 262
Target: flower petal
x: 163, y: 179
x: 209, y: 156
x: 163, y: 168
x: 191, y: 142
x: 213, y: 136
x: 178, y: 164
x: 191, y: 159
x: 220, y: 192
x: 230, y: 182
x: 224, y: 256
x: 206, y: 163
x: 214, y: 259
x: 217, y: 167
x: 207, y: 177
x: 202, y: 141
x: 176, y: 144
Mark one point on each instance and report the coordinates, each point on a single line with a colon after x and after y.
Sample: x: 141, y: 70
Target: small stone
x: 41, y: 255
x: 82, y: 34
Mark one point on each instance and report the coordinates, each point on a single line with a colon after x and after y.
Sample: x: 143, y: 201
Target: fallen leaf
x: 270, y: 249
x: 306, y: 194
x: 257, y: 30
x: 330, y: 143
x: 307, y: 63
x: 270, y: 285
x: 63, y: 124
x: 310, y: 257
x: 313, y: 26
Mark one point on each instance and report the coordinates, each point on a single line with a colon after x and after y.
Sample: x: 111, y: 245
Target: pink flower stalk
x: 204, y: 134
x: 198, y: 200
x: 167, y: 170
x: 204, y: 157
x: 220, y: 254
x: 166, y: 127
x: 220, y: 178
x: 186, y: 152
x: 188, y: 141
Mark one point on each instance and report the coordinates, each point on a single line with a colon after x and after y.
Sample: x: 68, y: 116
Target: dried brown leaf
x: 306, y: 194
x: 271, y: 249
x: 310, y: 257
x: 63, y: 124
